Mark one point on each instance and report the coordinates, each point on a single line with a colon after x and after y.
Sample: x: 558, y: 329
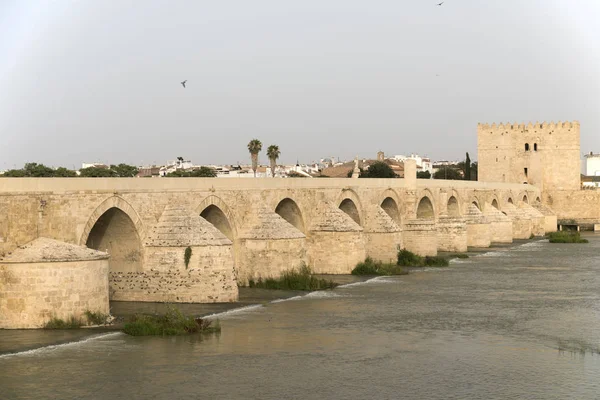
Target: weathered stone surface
x: 46, y: 279
x: 177, y: 227
x: 550, y: 218
x: 520, y: 220
x: 500, y: 225
x: 420, y: 237
x: 384, y: 238
x: 50, y: 250
x: 478, y: 228
x: 452, y: 234
x: 537, y: 220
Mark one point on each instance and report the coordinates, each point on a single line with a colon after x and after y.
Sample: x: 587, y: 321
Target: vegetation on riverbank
x: 91, y: 318
x: 566, y: 237
x: 410, y: 259
x: 301, y: 279
x: 371, y: 267
x: 173, y: 322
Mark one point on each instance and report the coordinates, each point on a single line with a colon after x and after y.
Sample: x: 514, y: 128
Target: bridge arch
x: 523, y: 197
x: 288, y: 209
x: 115, y: 227
x: 495, y: 204
x: 215, y: 210
x: 453, y: 207
x: 349, y: 203
x: 475, y: 201
x: 391, y: 208
x: 425, y: 208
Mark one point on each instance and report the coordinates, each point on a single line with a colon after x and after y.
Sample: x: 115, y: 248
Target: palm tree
x: 273, y: 154
x: 254, y: 147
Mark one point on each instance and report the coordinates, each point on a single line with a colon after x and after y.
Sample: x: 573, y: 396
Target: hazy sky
x: 84, y: 81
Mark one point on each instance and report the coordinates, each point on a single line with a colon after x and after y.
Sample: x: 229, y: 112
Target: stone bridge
x: 238, y: 229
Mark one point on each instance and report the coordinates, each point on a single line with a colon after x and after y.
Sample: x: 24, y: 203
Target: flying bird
x: 439, y: 4
x: 183, y: 83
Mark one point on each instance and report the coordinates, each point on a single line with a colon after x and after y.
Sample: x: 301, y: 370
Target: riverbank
x: 12, y: 341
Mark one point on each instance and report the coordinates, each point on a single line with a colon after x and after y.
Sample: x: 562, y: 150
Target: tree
x: 202, y: 172
x: 273, y: 154
x: 474, y: 171
x: 97, y: 172
x: 35, y: 170
x: 423, y: 175
x: 124, y: 170
x: 467, y: 168
x: 379, y: 169
x: 63, y: 172
x: 254, y: 147
x: 448, y: 172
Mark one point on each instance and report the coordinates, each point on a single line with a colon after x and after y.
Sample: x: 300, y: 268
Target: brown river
x: 520, y: 322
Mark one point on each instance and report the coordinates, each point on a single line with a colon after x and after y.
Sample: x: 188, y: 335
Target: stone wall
x: 546, y: 155
x: 38, y: 284
x: 420, y: 237
x: 452, y: 234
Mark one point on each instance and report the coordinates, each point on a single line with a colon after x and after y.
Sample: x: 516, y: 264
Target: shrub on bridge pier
x: 371, y: 267
x: 566, y: 237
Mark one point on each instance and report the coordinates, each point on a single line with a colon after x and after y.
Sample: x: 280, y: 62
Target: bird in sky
x: 183, y: 83
x: 439, y: 4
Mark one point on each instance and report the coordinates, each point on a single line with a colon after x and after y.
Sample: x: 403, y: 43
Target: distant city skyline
x: 101, y: 81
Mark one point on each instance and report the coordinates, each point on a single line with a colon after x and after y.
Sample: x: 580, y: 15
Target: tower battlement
x: 529, y: 126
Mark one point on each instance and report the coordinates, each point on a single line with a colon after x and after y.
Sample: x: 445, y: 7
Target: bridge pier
x: 268, y: 246
x: 537, y: 220
x: 501, y: 227
x: 451, y: 234
x: 520, y: 220
x: 336, y: 243
x: 478, y: 228
x: 420, y: 237
x: 550, y: 219
x: 163, y: 275
x: 384, y: 238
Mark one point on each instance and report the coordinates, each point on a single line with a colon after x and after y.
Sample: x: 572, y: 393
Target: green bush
x: 566, y: 237
x: 173, y: 322
x: 409, y: 259
x: 57, y: 323
x: 371, y: 267
x: 96, y: 318
x: 461, y: 255
x: 301, y: 279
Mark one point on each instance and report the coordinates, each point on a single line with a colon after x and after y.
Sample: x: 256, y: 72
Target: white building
x: 592, y: 164
x: 423, y: 163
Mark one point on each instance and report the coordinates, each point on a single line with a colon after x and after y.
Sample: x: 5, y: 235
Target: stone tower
x: 544, y: 155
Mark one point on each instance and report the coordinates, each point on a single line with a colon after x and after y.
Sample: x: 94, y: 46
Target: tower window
x: 535, y: 147
x: 526, y: 146
x: 525, y: 170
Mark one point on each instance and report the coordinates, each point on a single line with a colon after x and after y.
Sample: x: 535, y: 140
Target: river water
x: 519, y: 323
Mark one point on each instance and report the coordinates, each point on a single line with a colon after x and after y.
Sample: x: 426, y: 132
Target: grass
x: 173, y: 322
x: 409, y: 259
x: 96, y: 318
x: 461, y: 255
x: 565, y: 237
x: 371, y: 267
x: 301, y: 279
x: 57, y: 323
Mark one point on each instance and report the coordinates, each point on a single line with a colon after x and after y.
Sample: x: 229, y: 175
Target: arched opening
x: 495, y: 204
x: 526, y: 146
x: 289, y: 210
x: 390, y: 206
x: 425, y: 209
x: 510, y: 200
x: 349, y: 208
x: 535, y: 147
x: 115, y: 233
x: 538, y: 200
x: 215, y: 216
x: 476, y: 205
x: 453, y: 210
x: 525, y: 199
